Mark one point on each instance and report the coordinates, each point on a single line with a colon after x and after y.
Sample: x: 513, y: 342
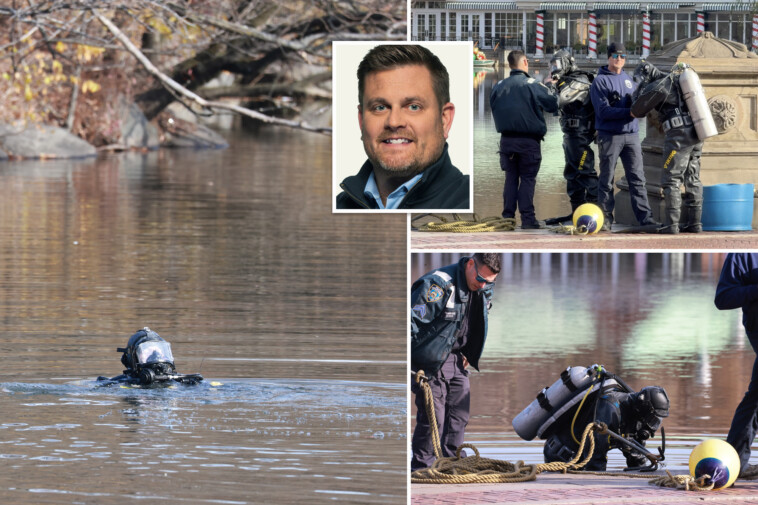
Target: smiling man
x: 405, y: 115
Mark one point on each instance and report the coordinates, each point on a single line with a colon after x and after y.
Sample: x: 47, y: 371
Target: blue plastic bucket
x: 728, y: 207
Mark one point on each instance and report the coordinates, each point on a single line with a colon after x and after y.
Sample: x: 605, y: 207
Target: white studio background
x: 347, y: 148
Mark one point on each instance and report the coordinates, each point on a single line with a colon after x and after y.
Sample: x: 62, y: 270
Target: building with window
x: 584, y: 27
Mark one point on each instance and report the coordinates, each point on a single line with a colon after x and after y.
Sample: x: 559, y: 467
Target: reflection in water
x: 650, y: 318
x: 235, y: 258
x: 550, y: 197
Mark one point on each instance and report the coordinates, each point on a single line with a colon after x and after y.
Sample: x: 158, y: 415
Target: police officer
x: 618, y: 137
x: 634, y: 415
x: 448, y: 329
x: 681, y: 148
x: 517, y: 103
x: 738, y: 288
x: 578, y: 125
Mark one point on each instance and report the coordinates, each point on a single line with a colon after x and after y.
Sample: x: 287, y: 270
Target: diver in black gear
x: 148, y: 360
x: 681, y: 148
x: 635, y: 416
x: 578, y: 126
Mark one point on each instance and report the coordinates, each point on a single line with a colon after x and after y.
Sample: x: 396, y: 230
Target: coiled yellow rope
x: 474, y: 225
x: 457, y: 470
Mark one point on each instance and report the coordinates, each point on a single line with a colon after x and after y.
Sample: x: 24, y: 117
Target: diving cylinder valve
x: 573, y: 380
x: 694, y: 97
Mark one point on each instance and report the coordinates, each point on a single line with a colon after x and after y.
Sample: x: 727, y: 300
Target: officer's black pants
x: 745, y: 420
x: 450, y: 388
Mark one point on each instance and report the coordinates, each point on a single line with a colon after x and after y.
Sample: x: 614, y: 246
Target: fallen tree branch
x: 181, y: 90
x: 304, y: 87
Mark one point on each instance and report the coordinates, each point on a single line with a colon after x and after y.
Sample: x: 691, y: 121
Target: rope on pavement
x: 567, y: 230
x: 474, y: 225
x: 686, y: 482
x: 476, y: 469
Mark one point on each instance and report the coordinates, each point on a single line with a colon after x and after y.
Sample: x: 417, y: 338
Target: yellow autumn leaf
x: 28, y: 95
x: 90, y: 87
x: 6, y: 76
x: 57, y: 66
x: 73, y: 79
x: 159, y: 25
x: 87, y: 53
x: 47, y: 80
x: 60, y: 47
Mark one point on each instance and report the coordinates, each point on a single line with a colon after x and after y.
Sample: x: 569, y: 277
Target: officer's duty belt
x: 677, y: 122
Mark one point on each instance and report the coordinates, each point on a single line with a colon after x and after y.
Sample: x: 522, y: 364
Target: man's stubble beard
x: 410, y: 169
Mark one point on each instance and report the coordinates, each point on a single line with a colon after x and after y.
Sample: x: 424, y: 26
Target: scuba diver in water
x: 578, y: 126
x: 583, y: 395
x: 678, y: 112
x: 148, y: 360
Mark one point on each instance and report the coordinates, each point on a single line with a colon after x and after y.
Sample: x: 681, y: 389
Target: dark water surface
x: 295, y: 317
x: 550, y: 199
x: 650, y: 318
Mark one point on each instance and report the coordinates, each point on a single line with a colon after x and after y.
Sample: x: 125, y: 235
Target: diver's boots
x: 694, y: 223
x: 670, y: 221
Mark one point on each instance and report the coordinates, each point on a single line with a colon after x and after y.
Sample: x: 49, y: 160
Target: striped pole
x: 700, y: 22
x: 645, y: 34
x: 755, y: 32
x: 592, y: 53
x: 540, y: 34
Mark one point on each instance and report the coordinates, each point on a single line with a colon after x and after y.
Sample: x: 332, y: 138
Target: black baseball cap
x: 616, y: 47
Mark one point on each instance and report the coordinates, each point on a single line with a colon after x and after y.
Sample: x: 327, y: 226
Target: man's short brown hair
x: 391, y: 56
x: 514, y: 57
x: 490, y: 260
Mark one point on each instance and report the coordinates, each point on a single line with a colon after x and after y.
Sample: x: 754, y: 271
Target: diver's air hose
x: 573, y: 421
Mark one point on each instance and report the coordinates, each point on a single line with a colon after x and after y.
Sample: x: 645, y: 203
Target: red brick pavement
x: 599, y: 490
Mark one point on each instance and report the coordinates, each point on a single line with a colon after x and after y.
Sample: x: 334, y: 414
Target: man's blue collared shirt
x: 371, y: 192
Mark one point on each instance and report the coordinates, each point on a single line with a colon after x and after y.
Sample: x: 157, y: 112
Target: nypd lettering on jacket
x: 438, y: 308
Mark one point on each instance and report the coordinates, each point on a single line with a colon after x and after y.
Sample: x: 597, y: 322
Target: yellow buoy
x: 588, y: 218
x: 716, y: 458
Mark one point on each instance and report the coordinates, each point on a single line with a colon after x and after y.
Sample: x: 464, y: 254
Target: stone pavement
x: 548, y: 240
x: 574, y: 489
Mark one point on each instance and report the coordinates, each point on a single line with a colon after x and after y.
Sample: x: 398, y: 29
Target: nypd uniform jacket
x: 438, y: 301
x: 517, y: 103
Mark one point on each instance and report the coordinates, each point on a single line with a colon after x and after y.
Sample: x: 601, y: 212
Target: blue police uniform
x: 448, y: 321
x: 517, y: 103
x: 618, y: 136
x: 738, y: 288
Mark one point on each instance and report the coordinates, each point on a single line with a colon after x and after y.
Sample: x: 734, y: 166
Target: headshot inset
x: 403, y: 152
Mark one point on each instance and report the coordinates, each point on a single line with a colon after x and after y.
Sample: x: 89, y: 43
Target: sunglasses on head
x: 479, y: 278
x: 618, y: 55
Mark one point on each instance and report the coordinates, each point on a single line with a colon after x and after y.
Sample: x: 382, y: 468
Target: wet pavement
x: 567, y: 489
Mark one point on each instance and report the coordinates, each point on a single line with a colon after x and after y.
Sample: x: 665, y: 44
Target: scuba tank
x: 694, y: 97
x: 573, y: 381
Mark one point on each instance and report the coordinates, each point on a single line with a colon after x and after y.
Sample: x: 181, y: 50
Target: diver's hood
x: 146, y: 349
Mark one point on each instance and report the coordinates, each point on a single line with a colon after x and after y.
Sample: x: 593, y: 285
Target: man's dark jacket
x: 517, y: 103
x: 442, y: 186
x: 738, y: 287
x: 438, y: 303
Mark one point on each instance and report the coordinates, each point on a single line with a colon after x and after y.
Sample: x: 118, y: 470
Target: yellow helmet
x: 588, y: 218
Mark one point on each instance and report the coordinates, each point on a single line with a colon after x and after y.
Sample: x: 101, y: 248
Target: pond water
x: 550, y: 198
x: 296, y: 318
x: 649, y: 318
